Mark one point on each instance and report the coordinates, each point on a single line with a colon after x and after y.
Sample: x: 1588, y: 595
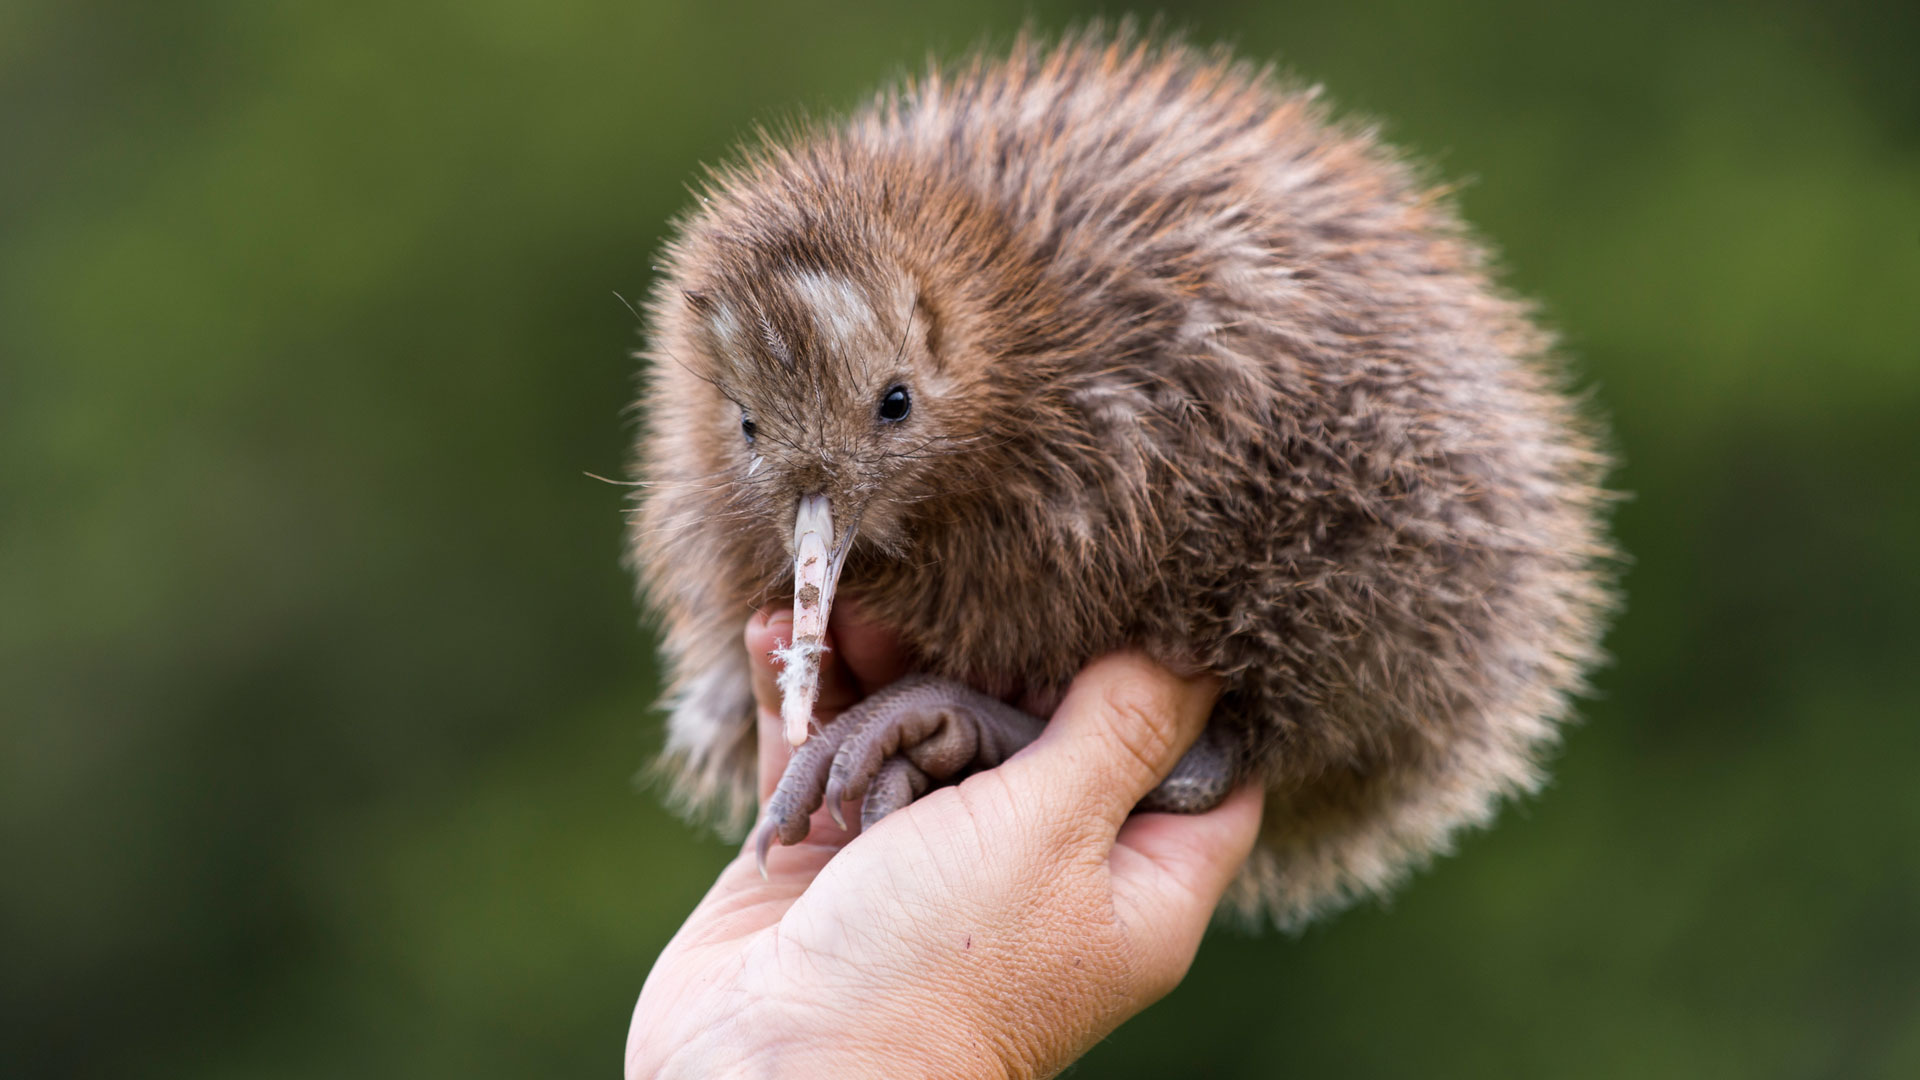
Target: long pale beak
x: 816, y: 570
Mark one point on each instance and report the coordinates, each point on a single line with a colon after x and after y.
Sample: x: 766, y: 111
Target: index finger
x: 1123, y: 725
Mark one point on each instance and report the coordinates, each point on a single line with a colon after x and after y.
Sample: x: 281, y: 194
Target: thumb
x: 1124, y: 723
x: 1169, y: 873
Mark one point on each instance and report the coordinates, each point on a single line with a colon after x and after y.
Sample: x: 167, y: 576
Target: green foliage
x: 321, y: 687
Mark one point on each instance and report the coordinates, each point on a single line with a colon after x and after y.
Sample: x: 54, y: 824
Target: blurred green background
x: 322, y: 690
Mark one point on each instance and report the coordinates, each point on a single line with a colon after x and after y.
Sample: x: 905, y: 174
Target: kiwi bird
x: 1118, y: 342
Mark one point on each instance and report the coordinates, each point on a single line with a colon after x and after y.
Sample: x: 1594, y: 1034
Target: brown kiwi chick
x: 1120, y: 343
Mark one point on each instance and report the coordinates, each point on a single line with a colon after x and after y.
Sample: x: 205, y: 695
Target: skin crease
x: 1010, y: 921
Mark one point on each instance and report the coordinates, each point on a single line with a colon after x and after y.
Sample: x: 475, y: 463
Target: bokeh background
x: 323, y: 693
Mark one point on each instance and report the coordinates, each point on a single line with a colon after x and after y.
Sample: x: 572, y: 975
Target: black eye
x: 747, y: 427
x: 895, y: 404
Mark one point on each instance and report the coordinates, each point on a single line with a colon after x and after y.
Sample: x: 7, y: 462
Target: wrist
x: 800, y: 1040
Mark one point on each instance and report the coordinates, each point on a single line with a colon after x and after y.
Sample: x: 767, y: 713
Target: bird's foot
x: 1200, y: 780
x: 891, y: 748
x: 887, y: 751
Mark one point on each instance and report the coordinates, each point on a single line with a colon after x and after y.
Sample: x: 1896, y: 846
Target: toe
x: 898, y: 783
x: 802, y: 787
x: 917, y: 720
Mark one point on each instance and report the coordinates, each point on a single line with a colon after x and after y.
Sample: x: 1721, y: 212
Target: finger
x: 1169, y: 873
x: 765, y: 631
x: 774, y: 751
x: 872, y: 652
x: 1124, y: 723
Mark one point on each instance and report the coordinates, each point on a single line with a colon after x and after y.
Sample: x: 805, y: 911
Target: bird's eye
x: 747, y: 427
x: 895, y: 404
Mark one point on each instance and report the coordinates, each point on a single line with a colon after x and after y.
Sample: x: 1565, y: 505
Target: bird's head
x: 838, y: 418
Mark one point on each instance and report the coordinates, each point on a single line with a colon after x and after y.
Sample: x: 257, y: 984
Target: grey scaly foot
x: 1200, y: 780
x: 889, y: 750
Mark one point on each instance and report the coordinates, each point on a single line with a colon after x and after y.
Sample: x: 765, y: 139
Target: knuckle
x: 1143, y: 722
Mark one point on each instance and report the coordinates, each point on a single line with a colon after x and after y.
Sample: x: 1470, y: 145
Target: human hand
x: 997, y: 927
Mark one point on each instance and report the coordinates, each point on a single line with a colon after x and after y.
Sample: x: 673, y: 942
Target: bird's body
x: 1185, y: 367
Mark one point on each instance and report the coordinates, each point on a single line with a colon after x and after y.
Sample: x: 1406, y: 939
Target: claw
x: 762, y: 843
x: 834, y: 798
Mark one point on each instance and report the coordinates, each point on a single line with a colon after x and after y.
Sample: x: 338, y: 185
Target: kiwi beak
x: 817, y: 558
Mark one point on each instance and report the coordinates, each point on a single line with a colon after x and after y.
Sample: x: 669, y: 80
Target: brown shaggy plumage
x: 1195, y: 368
